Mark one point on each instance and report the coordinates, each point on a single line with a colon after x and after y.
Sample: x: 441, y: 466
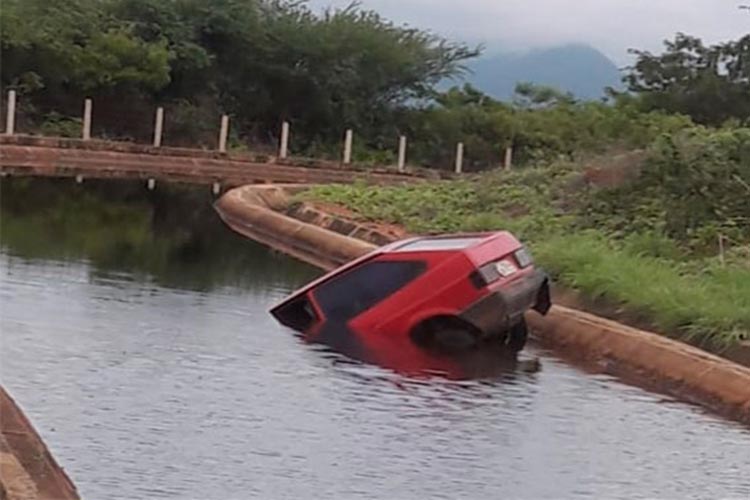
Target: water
x: 153, y: 377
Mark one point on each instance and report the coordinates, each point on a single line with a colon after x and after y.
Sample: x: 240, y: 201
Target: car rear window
x: 363, y: 287
x: 439, y: 244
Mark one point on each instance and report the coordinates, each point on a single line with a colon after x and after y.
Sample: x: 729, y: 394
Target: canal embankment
x: 27, y: 469
x: 325, y: 239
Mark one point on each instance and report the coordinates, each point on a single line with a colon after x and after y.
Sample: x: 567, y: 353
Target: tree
x: 710, y: 84
x: 261, y: 61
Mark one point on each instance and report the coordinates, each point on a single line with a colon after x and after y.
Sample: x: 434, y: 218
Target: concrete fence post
x: 10, y: 120
x: 348, y: 140
x: 224, y: 134
x: 158, y: 126
x: 87, y: 109
x: 402, y: 153
x: 284, y: 146
x: 508, y: 163
x: 460, y: 158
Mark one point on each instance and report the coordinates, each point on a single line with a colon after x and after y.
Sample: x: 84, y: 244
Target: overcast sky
x: 612, y: 26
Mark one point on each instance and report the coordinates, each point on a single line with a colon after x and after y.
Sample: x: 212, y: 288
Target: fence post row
x: 10, y: 121
x: 460, y: 158
x: 284, y: 146
x: 158, y: 126
x: 223, y: 134
x: 402, y: 153
x: 87, y: 109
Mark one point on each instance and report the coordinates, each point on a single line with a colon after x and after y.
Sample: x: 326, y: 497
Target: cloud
x: 612, y: 26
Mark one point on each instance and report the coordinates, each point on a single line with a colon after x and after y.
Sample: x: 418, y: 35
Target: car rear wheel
x: 517, y: 336
x: 446, y: 334
x: 454, y: 339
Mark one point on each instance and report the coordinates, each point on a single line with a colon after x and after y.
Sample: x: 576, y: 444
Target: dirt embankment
x: 328, y: 238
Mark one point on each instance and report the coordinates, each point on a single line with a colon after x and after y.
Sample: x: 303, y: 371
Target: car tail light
x: 523, y: 257
x: 503, y: 268
x: 489, y: 273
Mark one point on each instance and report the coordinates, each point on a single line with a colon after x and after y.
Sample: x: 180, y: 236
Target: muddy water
x: 146, y: 359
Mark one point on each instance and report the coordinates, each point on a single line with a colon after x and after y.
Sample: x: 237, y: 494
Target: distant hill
x: 579, y: 69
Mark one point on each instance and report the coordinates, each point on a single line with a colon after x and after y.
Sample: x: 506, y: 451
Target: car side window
x: 363, y: 287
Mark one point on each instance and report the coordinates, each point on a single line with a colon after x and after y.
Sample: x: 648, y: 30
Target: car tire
x: 454, y: 340
x: 517, y: 336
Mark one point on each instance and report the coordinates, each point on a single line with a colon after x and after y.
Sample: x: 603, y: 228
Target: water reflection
x: 170, y: 236
x: 401, y: 355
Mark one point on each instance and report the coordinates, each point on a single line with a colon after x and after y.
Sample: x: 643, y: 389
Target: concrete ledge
x: 255, y: 212
x: 98, y: 145
x: 27, y: 469
x: 635, y: 355
x: 647, y: 359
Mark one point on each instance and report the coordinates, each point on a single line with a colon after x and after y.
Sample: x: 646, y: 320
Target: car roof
x: 453, y: 242
x: 438, y: 244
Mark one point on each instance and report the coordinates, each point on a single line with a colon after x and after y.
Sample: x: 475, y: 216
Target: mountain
x: 580, y: 69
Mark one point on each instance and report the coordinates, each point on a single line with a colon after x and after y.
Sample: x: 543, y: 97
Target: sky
x: 612, y: 26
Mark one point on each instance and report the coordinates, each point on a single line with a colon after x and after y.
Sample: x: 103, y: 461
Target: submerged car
x: 445, y: 292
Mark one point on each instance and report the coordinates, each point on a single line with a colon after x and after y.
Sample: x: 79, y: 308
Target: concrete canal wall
x: 96, y: 159
x: 264, y: 213
x: 27, y: 469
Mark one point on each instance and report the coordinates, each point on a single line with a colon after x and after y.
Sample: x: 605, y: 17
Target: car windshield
x: 361, y: 288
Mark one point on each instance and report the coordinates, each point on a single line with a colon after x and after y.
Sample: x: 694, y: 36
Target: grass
x: 679, y: 290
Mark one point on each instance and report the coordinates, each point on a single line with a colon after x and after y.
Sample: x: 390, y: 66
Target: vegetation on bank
x: 265, y: 61
x: 646, y: 241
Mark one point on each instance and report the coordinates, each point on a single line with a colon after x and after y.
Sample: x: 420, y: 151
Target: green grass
x: 709, y: 305
x: 686, y: 293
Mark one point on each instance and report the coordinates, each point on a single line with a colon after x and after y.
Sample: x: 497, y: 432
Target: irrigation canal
x: 135, y: 336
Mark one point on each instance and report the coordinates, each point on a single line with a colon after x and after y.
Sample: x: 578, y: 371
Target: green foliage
x: 117, y: 58
x: 710, y: 306
x: 694, y: 186
x: 541, y: 125
x: 75, y: 46
x: 262, y: 61
x: 56, y: 125
x: 710, y: 84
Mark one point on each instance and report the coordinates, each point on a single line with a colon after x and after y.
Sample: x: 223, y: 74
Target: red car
x: 447, y: 292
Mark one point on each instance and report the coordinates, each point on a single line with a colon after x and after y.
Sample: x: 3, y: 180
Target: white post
x: 158, y: 126
x: 402, y: 153
x: 151, y: 184
x: 721, y: 250
x: 10, y: 122
x: 348, y: 140
x: 223, y: 134
x: 87, y: 107
x: 284, y: 146
x: 216, y: 188
x: 460, y: 158
x: 508, y: 158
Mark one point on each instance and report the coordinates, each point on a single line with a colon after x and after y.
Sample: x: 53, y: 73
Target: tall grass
x: 711, y: 305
